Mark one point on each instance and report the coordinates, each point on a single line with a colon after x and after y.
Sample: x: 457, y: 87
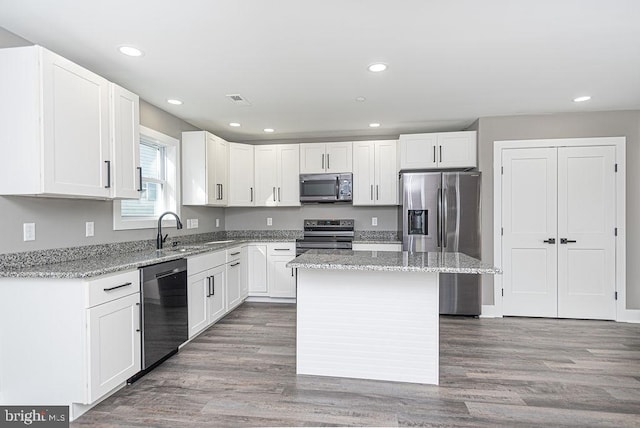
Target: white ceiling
x: 302, y: 63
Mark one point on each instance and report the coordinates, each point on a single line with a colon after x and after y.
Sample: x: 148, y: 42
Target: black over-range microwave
x: 326, y: 188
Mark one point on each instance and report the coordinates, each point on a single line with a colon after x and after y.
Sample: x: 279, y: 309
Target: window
x: 160, y: 183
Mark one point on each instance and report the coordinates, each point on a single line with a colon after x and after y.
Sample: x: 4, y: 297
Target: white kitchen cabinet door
x: 216, y: 291
x: 114, y: 344
x: 364, y: 173
x: 586, y: 224
x: 198, y: 300
x: 288, y: 166
x: 266, y: 175
x: 529, y: 213
x: 418, y: 151
x: 75, y: 123
x: 282, y: 280
x: 205, y: 159
x: 233, y: 295
x: 257, y: 269
x: 386, y: 173
x: 339, y: 157
x: 125, y: 143
x: 312, y: 158
x: 244, y: 272
x: 457, y: 149
x: 241, y: 174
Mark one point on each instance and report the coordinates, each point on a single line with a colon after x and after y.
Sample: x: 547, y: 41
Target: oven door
x: 306, y: 244
x: 319, y: 187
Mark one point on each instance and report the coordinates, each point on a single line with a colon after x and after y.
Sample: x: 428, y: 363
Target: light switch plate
x: 89, y: 229
x: 194, y: 223
x: 374, y: 221
x: 217, y: 222
x: 29, y: 231
x: 269, y: 221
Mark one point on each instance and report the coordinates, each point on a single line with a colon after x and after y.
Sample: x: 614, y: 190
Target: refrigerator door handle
x: 438, y: 218
x: 444, y: 220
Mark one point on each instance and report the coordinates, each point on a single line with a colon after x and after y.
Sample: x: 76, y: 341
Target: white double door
x: 558, y: 243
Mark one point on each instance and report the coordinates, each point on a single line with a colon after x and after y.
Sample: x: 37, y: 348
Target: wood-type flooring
x: 493, y: 372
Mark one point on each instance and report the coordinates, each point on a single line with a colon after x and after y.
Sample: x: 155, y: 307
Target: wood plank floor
x: 494, y: 372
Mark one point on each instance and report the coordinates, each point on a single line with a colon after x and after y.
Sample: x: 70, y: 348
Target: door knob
x: 566, y: 241
x: 550, y: 241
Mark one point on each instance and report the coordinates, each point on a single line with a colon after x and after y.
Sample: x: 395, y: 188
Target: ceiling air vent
x: 238, y: 99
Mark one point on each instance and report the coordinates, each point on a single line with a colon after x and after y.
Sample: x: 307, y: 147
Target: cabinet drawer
x: 111, y: 287
x: 206, y: 261
x: 281, y: 249
x: 233, y: 254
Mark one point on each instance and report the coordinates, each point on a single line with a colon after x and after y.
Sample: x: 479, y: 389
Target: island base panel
x: 368, y: 325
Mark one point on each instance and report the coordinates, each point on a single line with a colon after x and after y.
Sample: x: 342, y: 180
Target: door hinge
x: 616, y: 295
x: 502, y: 170
x: 615, y: 231
x: 616, y: 168
x: 502, y: 231
x: 502, y: 292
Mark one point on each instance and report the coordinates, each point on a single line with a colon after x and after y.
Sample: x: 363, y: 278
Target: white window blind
x: 154, y: 181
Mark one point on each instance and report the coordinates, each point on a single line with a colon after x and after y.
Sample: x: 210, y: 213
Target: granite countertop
x: 377, y: 241
x: 391, y: 261
x: 96, y: 266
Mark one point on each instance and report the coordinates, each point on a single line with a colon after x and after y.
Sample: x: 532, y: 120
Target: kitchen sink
x: 218, y: 242
x: 181, y: 249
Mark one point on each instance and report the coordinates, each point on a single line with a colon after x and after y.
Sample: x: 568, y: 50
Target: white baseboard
x: 630, y: 316
x: 260, y: 299
x: 490, y: 311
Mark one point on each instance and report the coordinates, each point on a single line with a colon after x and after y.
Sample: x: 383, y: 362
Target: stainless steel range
x: 326, y: 234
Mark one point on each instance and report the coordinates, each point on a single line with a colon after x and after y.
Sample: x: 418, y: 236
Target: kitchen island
x: 372, y: 315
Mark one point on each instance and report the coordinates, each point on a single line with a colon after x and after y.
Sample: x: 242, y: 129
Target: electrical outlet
x: 269, y: 221
x: 29, y: 231
x: 88, y: 229
x: 217, y: 222
x: 374, y: 221
x: 188, y: 223
x: 194, y: 223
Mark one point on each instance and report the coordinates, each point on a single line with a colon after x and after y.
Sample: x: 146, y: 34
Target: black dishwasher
x: 165, y: 316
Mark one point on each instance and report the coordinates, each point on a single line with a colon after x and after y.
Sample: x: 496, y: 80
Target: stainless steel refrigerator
x: 440, y: 211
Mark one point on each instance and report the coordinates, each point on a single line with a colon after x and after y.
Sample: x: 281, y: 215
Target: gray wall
x: 291, y: 217
x: 572, y: 125
x: 61, y: 222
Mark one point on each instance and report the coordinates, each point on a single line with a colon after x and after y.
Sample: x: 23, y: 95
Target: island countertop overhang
x: 392, y: 261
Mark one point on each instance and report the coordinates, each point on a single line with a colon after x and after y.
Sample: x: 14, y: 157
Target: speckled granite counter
x: 377, y: 241
x: 391, y: 261
x: 103, y: 263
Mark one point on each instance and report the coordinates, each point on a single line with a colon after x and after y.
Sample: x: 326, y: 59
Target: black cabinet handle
x: 281, y: 249
x: 140, y: 177
x: 434, y: 154
x: 550, y: 241
x: 235, y: 254
x: 567, y: 241
x: 291, y: 271
x: 235, y: 264
x: 117, y: 286
x: 251, y: 190
x: 108, y: 174
x: 440, y: 153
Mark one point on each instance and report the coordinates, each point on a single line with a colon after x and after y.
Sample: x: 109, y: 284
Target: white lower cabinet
x: 234, y: 277
x: 282, y: 280
x: 257, y: 270
x: 206, y: 284
x: 114, y: 344
x: 78, y: 340
x: 244, y: 272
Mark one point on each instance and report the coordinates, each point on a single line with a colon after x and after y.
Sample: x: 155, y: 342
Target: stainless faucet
x: 160, y: 239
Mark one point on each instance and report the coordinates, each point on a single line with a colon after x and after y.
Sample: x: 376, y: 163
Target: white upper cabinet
x: 277, y: 171
x: 325, y: 157
x: 125, y: 143
x: 438, y: 150
x: 375, y: 173
x: 205, y: 169
x: 59, y: 135
x: 241, y: 175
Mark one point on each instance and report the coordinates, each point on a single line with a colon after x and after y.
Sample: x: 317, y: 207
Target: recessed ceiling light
x: 360, y: 99
x: 377, y: 67
x: 374, y: 125
x: 269, y: 130
x: 130, y: 51
x: 234, y: 124
x: 174, y: 102
x: 581, y: 99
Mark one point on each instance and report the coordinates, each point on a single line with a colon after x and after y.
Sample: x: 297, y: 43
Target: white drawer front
x: 206, y: 261
x: 233, y: 254
x: 281, y: 249
x: 111, y: 287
